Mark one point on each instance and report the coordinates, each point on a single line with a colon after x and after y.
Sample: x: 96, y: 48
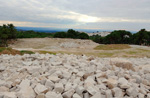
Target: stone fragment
x: 33, y: 69
x: 145, y: 68
x: 8, y: 95
x: 132, y: 92
x: 49, y: 84
x: 123, y: 83
x: 59, y: 87
x: 86, y: 95
x: 97, y: 95
x: 76, y: 96
x: 112, y: 83
x: 68, y: 94
x: 117, y: 92
x: 138, y: 78
x: 122, y: 63
x: 140, y: 95
x: 26, y: 90
x: 54, y: 79
x: 79, y: 90
x: 53, y: 95
x: 109, y: 94
x: 40, y: 89
x: 40, y: 96
x: 4, y: 89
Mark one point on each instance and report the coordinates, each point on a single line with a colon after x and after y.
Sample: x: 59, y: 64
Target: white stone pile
x: 72, y: 76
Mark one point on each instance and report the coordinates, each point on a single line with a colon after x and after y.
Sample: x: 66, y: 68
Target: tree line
x: 71, y: 34
x: 8, y: 32
x: 142, y: 37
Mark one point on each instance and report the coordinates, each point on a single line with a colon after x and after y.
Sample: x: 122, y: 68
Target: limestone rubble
x: 73, y: 76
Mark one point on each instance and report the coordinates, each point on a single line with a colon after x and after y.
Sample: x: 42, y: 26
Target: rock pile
x: 71, y: 76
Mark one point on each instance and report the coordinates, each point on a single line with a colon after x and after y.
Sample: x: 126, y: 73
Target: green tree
x: 83, y: 36
x: 7, y: 32
x: 118, y: 37
x: 60, y: 35
x: 72, y: 33
x: 141, y: 37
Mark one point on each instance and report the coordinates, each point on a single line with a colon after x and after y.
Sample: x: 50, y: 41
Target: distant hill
x: 53, y: 30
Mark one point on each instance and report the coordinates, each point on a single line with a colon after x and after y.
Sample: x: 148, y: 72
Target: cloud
x: 76, y: 13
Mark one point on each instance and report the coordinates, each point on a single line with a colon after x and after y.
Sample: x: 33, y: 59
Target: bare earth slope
x: 77, y: 46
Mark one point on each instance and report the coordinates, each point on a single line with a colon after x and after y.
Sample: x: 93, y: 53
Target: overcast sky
x: 81, y: 14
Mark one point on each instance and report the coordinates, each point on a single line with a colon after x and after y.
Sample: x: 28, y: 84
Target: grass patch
x: 26, y: 52
x: 106, y: 54
x: 132, y: 52
x: 112, y: 47
x: 4, y: 50
x: 44, y: 52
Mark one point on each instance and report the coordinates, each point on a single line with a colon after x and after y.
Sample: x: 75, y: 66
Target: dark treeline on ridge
x: 142, y: 37
x: 8, y: 32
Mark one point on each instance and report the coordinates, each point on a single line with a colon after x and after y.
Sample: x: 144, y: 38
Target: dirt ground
x: 77, y: 46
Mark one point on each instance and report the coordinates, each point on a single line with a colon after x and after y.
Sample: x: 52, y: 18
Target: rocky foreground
x: 72, y: 76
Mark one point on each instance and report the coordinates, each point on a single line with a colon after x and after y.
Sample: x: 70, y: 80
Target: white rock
x: 26, y: 90
x: 68, y: 94
x: 117, y: 92
x: 76, y: 96
x: 33, y: 69
x: 109, y: 94
x: 112, y: 83
x: 123, y: 83
x: 4, y: 89
x: 79, y: 90
x: 138, y: 78
x: 122, y: 63
x: 40, y: 96
x: 68, y: 86
x: 49, y: 84
x: 54, y: 79
x: 97, y: 95
x: 86, y: 95
x: 59, y: 87
x: 40, y: 89
x: 80, y: 74
x: 102, y: 87
x: 8, y: 95
x: 53, y: 95
x: 140, y: 95
x: 132, y: 92
x: 145, y: 68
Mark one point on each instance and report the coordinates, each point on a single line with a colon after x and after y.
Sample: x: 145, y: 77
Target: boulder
x: 68, y: 94
x: 76, y: 96
x: 33, y: 69
x: 132, y: 92
x: 49, y: 84
x: 26, y: 90
x: 80, y: 90
x: 53, y: 95
x: 122, y: 63
x: 123, y: 83
x: 109, y: 94
x: 54, y: 79
x: 40, y: 96
x: 97, y: 95
x: 117, y: 92
x: 40, y: 89
x: 4, y: 89
x: 111, y: 83
x: 8, y: 95
x: 59, y: 87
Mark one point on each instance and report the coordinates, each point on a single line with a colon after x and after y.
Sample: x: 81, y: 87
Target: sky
x: 80, y: 14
